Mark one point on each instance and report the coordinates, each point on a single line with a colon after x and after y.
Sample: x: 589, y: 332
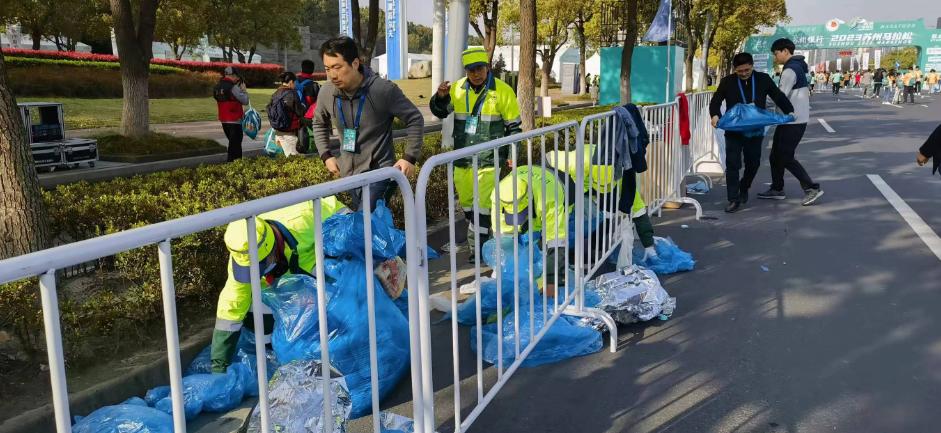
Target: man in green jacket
x: 285, y: 239
x: 484, y: 109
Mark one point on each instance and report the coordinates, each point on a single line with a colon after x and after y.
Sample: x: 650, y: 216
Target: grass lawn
x: 106, y: 113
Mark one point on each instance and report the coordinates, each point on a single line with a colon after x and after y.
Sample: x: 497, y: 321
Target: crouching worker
x: 522, y: 205
x: 285, y: 239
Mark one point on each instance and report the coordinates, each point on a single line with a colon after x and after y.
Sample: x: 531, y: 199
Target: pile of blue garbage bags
x: 296, y: 338
x: 670, y: 259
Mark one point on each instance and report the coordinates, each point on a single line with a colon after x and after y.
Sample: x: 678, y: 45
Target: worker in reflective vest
x: 484, y: 109
x: 531, y: 199
x: 285, y: 239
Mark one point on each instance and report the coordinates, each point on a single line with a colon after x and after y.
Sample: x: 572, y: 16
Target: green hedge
x: 121, y: 300
x: 63, y: 79
x: 27, y: 62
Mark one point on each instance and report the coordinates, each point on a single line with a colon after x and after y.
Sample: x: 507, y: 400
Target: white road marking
x: 923, y: 105
x: 826, y: 125
x: 918, y: 225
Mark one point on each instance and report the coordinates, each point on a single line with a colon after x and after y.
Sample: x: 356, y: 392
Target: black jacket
x: 932, y: 148
x: 764, y: 87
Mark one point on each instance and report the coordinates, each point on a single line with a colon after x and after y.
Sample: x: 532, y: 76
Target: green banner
x: 859, y: 33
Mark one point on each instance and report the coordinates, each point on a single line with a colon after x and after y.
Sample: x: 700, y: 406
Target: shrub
x: 26, y: 62
x: 254, y: 74
x: 60, y: 80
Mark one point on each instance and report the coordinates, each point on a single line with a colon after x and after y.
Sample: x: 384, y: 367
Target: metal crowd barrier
x: 45, y: 263
x: 593, y: 136
x: 560, y: 139
x: 703, y: 148
x: 665, y: 173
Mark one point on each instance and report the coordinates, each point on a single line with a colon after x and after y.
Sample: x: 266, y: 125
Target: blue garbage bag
x: 507, y: 260
x: 467, y: 311
x: 251, y: 123
x: 750, y: 120
x: 212, y: 392
x: 344, y: 235
x: 137, y: 401
x: 122, y: 418
x: 272, y: 148
x: 297, y: 331
x: 245, y: 354
x: 670, y: 258
x: 156, y: 394
x: 565, y: 339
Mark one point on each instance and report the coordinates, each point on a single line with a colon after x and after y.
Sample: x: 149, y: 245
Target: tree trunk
x: 630, y: 39
x: 372, y: 32
x: 22, y: 222
x: 494, y: 21
x: 240, y: 55
x: 527, y: 68
x: 544, y: 81
x: 135, y: 49
x: 708, y: 32
x: 37, y: 37
x: 582, y: 46
x: 356, y: 25
x: 251, y: 53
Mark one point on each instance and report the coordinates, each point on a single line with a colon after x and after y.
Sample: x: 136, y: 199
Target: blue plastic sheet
x: 750, y: 120
x: 125, y: 418
x: 297, y: 333
x: 565, y: 339
x: 670, y: 258
x: 344, y: 235
x: 467, y: 311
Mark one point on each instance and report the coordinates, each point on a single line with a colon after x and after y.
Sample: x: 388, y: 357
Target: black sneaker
x: 734, y: 206
x: 811, y: 195
x: 772, y: 194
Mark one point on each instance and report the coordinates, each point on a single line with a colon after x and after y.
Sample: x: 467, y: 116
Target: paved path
x: 841, y: 333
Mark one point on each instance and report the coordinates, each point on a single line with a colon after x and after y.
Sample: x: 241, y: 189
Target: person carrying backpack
x: 230, y: 96
x: 286, y: 114
x: 307, y: 91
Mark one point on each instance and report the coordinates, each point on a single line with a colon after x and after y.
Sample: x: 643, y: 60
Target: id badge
x: 349, y: 140
x: 470, y: 128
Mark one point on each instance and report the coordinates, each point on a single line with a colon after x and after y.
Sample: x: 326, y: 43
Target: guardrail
x: 45, y: 263
x: 563, y: 154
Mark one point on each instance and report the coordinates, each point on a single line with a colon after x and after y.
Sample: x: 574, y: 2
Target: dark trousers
x: 233, y: 131
x: 382, y: 190
x: 876, y: 89
x: 836, y: 88
x: 909, y: 94
x: 783, y: 148
x: 738, y: 146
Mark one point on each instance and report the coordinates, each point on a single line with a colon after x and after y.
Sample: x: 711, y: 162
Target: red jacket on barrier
x: 685, y: 133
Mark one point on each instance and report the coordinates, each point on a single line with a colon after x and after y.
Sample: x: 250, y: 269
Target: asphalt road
x: 796, y: 319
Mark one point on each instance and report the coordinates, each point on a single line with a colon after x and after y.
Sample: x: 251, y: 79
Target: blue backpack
x: 300, y: 87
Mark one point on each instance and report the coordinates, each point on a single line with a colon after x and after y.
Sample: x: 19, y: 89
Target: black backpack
x: 223, y: 91
x: 278, y: 114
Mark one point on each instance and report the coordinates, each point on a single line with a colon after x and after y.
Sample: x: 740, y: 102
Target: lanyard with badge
x: 470, y: 128
x: 349, y: 134
x: 742, y: 91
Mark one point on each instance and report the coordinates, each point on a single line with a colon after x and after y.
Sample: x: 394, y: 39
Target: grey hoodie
x: 384, y: 101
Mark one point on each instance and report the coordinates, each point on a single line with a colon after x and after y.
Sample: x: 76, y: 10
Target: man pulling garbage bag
x: 285, y: 239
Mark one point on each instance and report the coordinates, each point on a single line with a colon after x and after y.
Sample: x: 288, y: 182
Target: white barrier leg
x: 595, y: 313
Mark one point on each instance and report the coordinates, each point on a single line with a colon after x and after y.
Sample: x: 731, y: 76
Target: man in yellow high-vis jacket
x: 484, y: 109
x: 285, y: 239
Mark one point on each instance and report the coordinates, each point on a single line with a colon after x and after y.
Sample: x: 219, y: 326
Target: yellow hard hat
x: 515, y: 206
x: 236, y: 240
x: 473, y: 57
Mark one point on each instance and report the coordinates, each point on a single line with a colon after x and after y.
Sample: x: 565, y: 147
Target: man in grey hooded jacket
x: 361, y: 106
x: 786, y: 137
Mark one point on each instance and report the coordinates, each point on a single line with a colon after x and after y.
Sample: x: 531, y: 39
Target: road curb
x: 136, y: 382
